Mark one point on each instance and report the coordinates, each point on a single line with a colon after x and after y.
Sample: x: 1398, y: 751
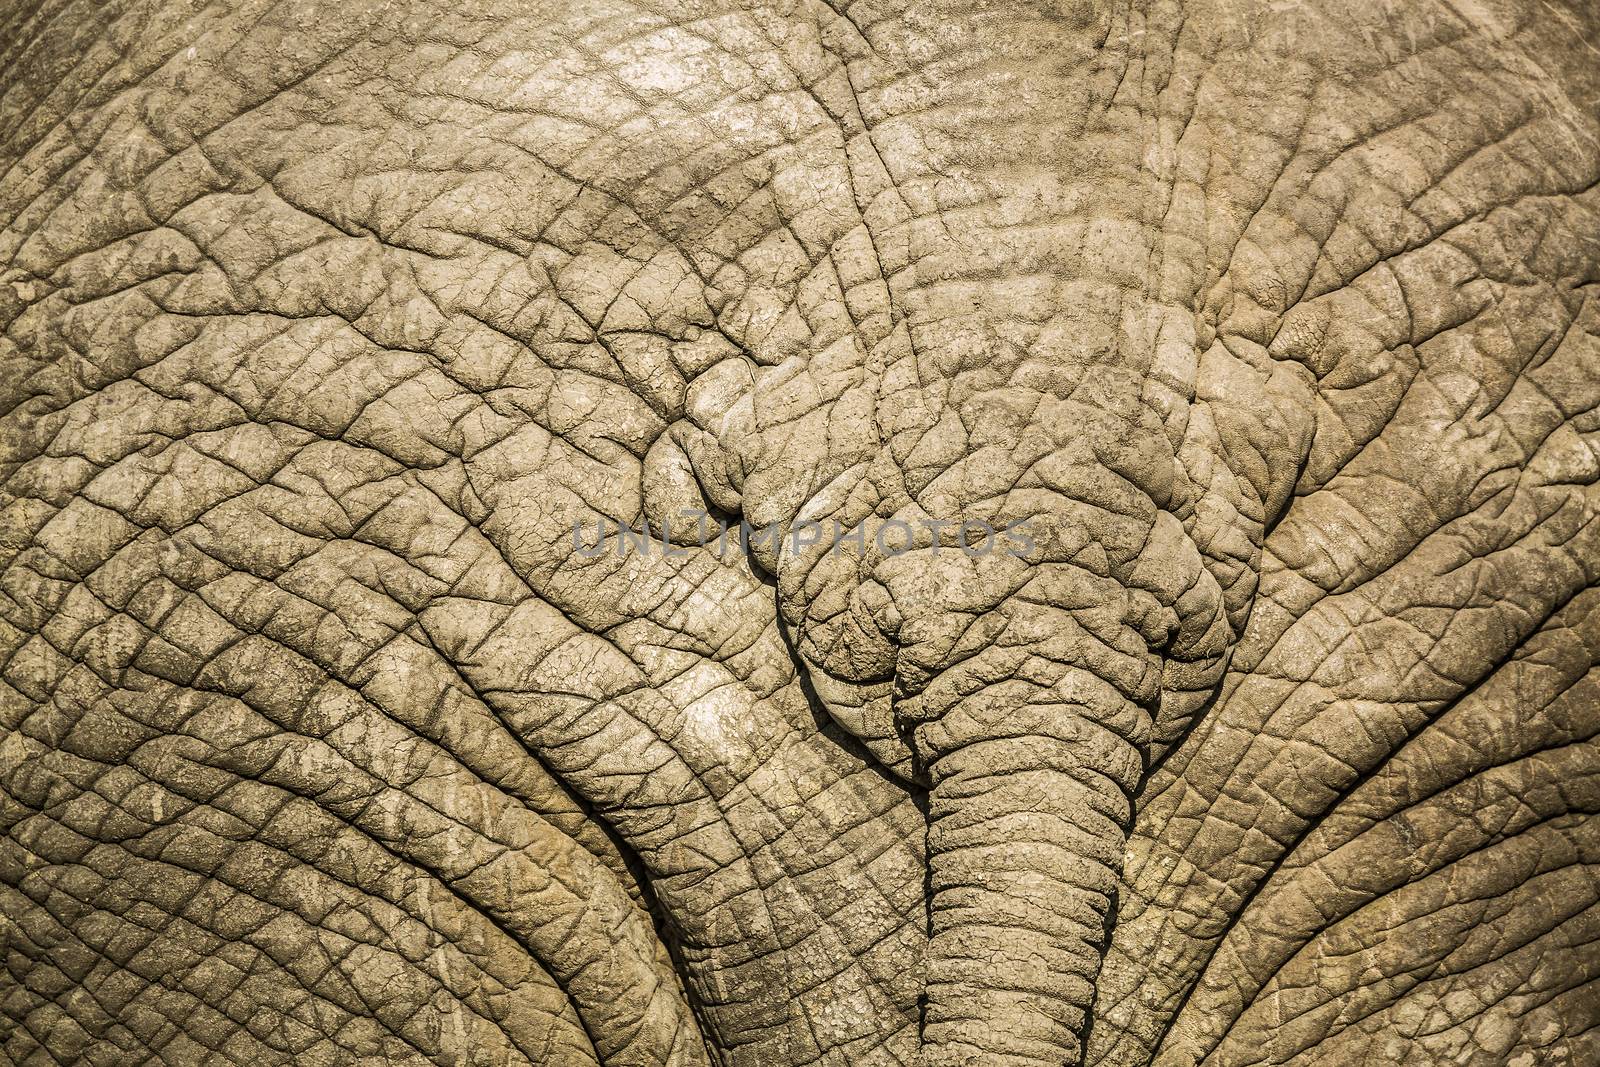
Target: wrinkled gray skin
x: 325, y: 323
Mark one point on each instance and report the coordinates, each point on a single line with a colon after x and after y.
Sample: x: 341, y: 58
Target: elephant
x: 490, y: 493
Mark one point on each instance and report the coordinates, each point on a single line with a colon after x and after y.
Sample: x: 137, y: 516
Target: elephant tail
x: 1027, y: 826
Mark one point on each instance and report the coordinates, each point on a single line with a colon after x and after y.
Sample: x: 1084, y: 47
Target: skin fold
x: 1266, y: 736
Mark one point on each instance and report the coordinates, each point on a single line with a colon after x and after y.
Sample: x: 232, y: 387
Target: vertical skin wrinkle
x: 1257, y: 342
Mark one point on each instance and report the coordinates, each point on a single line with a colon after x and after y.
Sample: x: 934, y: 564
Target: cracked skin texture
x: 323, y: 324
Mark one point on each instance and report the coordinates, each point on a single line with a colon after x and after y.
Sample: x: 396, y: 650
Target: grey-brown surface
x: 1196, y: 405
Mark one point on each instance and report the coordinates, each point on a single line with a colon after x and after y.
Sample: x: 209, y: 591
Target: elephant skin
x: 417, y: 418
